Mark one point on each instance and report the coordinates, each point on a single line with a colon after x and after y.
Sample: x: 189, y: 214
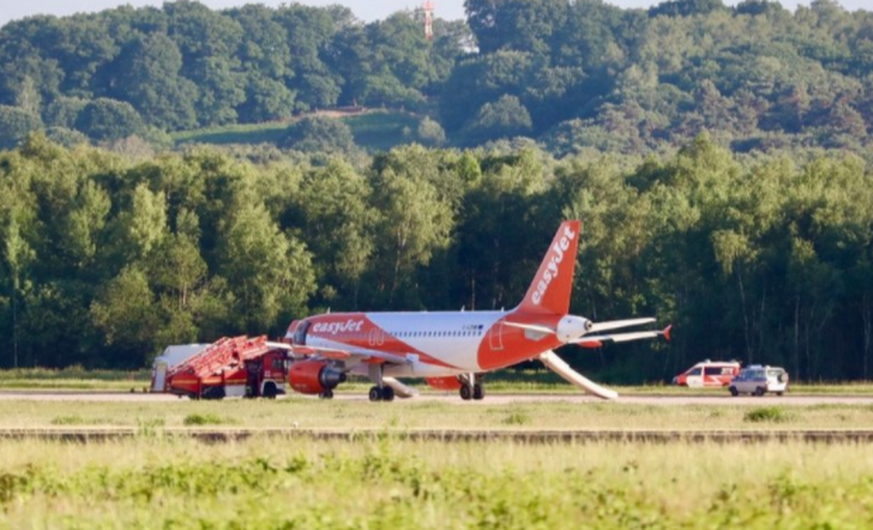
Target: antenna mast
x: 428, y: 19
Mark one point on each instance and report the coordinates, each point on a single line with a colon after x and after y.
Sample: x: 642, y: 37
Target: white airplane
x: 449, y: 349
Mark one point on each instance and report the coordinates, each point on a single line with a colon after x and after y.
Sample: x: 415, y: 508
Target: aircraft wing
x: 339, y: 354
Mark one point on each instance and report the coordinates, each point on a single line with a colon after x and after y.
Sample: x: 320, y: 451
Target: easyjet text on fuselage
x: 334, y: 328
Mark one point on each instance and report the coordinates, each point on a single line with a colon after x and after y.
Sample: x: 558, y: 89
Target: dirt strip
x: 94, y: 435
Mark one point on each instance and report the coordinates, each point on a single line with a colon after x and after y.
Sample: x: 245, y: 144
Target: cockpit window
x: 300, y: 333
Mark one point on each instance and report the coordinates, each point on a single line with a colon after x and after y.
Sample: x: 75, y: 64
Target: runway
x: 678, y: 433
x: 490, y: 399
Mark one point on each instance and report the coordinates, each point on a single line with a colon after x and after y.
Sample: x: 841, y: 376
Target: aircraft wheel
x: 375, y: 394
x: 466, y: 392
x: 215, y: 392
x: 387, y: 393
x: 478, y: 391
x: 327, y: 394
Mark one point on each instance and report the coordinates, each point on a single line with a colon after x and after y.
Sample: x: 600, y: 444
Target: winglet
x: 551, y: 287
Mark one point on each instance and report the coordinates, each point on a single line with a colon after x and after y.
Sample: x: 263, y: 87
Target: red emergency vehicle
x: 708, y: 374
x: 240, y: 366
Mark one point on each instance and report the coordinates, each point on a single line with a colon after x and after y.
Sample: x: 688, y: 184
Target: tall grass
x: 312, y: 413
x: 270, y: 483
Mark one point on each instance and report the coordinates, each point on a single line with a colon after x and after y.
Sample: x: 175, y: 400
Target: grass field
x: 281, y: 483
x: 400, y: 416
x: 74, y: 378
x: 158, y: 481
x: 373, y: 131
x: 257, y: 133
x: 380, y: 131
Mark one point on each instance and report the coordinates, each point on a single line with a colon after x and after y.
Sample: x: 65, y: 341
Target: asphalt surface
x: 218, y: 435
x: 490, y: 399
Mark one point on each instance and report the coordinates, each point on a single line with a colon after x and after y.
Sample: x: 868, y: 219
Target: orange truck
x: 239, y: 366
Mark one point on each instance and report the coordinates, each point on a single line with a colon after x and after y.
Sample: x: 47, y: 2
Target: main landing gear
x: 380, y: 392
x: 470, y: 388
x: 386, y: 393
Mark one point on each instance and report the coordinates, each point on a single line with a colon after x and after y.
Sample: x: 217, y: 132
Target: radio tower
x: 428, y: 19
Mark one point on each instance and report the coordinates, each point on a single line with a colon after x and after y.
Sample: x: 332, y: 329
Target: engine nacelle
x: 572, y: 327
x: 314, y: 377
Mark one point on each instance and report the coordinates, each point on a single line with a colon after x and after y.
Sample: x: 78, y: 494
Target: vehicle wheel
x: 375, y: 394
x: 478, y: 391
x: 387, y: 393
x: 734, y: 391
x: 215, y: 392
x: 270, y: 391
x: 466, y: 392
x: 327, y: 394
x: 760, y: 391
x: 780, y: 393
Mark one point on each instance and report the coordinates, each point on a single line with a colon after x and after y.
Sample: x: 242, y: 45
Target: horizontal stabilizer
x: 597, y: 327
x: 623, y: 337
x: 557, y: 365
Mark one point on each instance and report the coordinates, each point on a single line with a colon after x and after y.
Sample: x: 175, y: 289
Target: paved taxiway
x: 491, y: 399
x: 89, y: 434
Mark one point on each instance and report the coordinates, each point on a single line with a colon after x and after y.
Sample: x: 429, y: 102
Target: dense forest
x: 718, y: 157
x: 572, y: 75
x: 105, y: 260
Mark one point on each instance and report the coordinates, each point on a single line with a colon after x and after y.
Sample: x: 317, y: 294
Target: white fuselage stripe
x: 453, y: 338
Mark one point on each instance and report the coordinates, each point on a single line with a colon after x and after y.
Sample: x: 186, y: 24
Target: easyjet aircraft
x: 450, y: 348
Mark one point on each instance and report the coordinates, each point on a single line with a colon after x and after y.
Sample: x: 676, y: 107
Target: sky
x: 367, y: 10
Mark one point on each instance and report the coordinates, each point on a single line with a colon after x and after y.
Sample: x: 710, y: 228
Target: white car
x: 758, y: 380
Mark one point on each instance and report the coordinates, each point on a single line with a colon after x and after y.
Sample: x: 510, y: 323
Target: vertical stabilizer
x: 551, y: 287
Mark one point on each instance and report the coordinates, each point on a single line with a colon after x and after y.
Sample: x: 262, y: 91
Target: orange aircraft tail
x: 551, y: 287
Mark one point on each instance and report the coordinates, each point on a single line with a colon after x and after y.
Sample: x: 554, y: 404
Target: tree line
x: 145, y: 71
x: 572, y: 75
x: 104, y: 260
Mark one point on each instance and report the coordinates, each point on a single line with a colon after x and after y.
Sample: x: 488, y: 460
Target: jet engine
x: 572, y: 327
x: 314, y: 377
